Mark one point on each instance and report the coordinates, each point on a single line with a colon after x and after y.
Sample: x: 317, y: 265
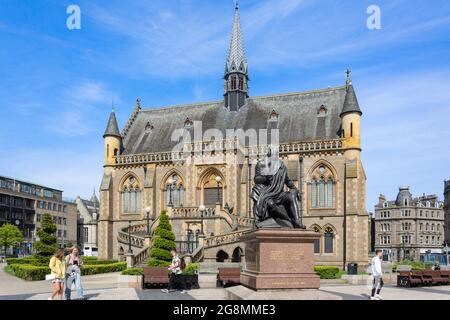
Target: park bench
x: 155, y: 276
x: 409, y: 279
x: 228, y: 276
x: 446, y: 274
x: 436, y: 277
x: 427, y: 278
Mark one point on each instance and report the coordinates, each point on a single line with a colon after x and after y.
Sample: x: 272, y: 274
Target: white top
x: 376, y: 267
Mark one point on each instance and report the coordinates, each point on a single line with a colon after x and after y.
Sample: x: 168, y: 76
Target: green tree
x: 163, y: 241
x: 47, y: 244
x: 9, y: 235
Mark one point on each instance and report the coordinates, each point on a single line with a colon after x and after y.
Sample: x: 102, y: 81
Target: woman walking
x: 73, y: 274
x: 57, y: 266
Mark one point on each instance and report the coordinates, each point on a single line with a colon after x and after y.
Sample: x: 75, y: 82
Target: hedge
x: 191, y: 268
x: 98, y: 262
x: 103, y: 268
x: 133, y: 272
x: 29, y: 272
x: 327, y: 272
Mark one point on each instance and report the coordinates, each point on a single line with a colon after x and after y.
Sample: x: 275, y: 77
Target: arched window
x: 316, y: 241
x: 131, y: 196
x: 322, y: 192
x: 241, y: 83
x: 233, y: 83
x: 175, y: 191
x: 329, y: 239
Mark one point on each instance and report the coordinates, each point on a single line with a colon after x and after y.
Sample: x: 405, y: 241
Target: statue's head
x: 272, y: 151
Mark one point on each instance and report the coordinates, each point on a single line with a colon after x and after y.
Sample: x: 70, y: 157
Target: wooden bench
x: 409, y: 279
x: 228, y: 276
x: 427, y: 279
x: 436, y: 278
x: 155, y: 276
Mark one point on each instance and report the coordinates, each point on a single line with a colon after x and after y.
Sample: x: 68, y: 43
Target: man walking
x: 377, y: 274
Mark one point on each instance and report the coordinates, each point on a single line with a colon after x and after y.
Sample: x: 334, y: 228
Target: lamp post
x: 202, y: 210
x: 130, y: 251
x: 218, y: 179
x: 147, y: 210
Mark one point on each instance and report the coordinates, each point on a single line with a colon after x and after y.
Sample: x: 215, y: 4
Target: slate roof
x: 351, y: 102
x: 112, y: 129
x: 298, y: 119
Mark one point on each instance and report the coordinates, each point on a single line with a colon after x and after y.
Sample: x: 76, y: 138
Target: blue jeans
x: 68, y: 285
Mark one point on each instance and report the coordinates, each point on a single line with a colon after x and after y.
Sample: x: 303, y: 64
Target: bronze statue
x: 272, y: 206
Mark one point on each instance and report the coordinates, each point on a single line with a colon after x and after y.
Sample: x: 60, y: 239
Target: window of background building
x: 85, y: 234
x: 38, y: 217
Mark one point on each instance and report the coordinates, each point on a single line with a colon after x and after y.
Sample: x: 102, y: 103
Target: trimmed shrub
x: 103, y: 268
x: 326, y: 272
x: 98, y: 262
x: 29, y: 272
x: 133, y: 272
x: 163, y: 242
x: 191, y: 269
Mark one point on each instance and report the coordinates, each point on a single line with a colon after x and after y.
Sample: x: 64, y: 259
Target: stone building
x: 447, y: 210
x: 87, y: 229
x: 24, y: 203
x: 410, y: 228
x: 181, y: 158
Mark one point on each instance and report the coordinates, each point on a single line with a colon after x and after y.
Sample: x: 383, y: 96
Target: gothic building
x: 204, y: 183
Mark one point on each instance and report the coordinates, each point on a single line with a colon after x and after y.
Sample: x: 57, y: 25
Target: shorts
x: 58, y: 280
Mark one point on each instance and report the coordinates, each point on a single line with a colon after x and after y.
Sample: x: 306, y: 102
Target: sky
x: 57, y: 85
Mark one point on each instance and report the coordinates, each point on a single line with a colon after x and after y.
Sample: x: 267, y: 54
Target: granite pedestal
x: 280, y: 259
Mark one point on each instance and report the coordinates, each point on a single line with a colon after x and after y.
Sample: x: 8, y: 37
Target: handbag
x: 50, y: 276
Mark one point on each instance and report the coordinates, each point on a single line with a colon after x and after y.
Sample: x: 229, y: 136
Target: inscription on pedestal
x: 279, y: 255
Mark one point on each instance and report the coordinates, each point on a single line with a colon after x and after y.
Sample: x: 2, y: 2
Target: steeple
x: 236, y: 68
x: 112, y: 129
x: 351, y: 104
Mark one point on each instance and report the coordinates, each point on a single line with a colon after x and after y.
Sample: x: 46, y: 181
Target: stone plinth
x: 279, y: 259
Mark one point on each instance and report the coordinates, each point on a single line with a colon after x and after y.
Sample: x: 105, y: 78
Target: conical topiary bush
x: 47, y: 244
x: 163, y: 241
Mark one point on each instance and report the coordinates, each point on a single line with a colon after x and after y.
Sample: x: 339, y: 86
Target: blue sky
x: 57, y: 85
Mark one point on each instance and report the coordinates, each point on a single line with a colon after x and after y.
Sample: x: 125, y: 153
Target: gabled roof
x: 298, y: 119
x: 112, y: 129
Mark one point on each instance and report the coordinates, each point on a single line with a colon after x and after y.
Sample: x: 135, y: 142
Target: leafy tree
x: 9, y: 235
x: 163, y: 241
x: 47, y: 244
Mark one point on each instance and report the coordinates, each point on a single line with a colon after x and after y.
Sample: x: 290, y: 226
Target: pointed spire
x: 351, y: 104
x: 236, y: 60
x: 94, y: 198
x: 112, y: 129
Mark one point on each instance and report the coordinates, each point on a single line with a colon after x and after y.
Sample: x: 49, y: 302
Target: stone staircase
x: 141, y: 241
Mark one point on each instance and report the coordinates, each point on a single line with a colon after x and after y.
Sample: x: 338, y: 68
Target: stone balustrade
x: 136, y: 241
x: 245, y: 222
x: 224, y: 238
x: 208, y: 146
x: 192, y: 212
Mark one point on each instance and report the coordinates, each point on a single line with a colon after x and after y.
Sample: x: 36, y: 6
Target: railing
x: 192, y: 212
x: 136, y: 241
x: 245, y: 222
x: 141, y: 256
x: 197, y: 254
x: 207, y: 146
x: 225, y: 238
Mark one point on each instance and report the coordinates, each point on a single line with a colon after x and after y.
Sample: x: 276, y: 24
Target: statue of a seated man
x: 273, y: 207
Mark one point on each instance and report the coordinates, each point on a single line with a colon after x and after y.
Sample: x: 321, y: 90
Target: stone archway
x: 222, y: 256
x: 237, y: 255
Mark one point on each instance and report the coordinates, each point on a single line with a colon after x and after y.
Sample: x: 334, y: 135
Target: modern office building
x: 24, y: 203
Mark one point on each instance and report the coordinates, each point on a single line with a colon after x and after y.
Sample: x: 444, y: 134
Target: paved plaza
x: 104, y: 287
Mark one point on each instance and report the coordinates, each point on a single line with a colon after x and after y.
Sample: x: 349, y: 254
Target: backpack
x: 182, y: 264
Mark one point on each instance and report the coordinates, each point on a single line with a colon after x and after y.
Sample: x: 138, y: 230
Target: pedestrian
x: 377, y: 274
x: 74, y: 264
x: 175, y: 271
x: 57, y: 266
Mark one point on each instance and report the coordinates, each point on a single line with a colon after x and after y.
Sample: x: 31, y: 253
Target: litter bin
x: 352, y: 268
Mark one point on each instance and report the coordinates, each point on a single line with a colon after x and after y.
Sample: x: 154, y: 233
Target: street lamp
x: 147, y: 210
x: 202, y: 210
x: 129, y: 237
x: 218, y: 179
x: 170, y: 183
